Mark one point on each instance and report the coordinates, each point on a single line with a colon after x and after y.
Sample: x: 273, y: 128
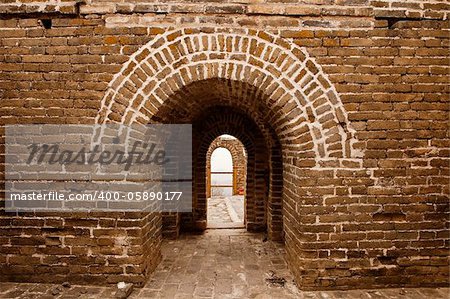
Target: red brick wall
x: 364, y: 167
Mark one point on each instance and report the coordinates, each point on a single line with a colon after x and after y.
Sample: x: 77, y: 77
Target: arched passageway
x: 238, y: 156
x: 267, y: 93
x: 225, y: 183
x: 209, y: 125
x: 220, y: 173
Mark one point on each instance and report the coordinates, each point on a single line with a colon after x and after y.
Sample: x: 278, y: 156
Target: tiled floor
x: 222, y: 263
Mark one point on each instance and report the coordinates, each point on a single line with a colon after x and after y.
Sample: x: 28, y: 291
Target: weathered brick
x: 344, y: 118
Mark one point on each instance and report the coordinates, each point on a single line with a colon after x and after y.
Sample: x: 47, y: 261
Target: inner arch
x: 261, y: 89
x: 226, y: 165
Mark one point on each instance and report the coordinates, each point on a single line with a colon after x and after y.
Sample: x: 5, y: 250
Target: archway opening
x: 273, y: 97
x: 216, y: 107
x: 207, y: 127
x: 225, y: 183
x: 221, y: 173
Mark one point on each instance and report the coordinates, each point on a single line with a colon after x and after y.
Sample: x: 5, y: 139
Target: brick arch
x: 295, y: 103
x: 239, y: 160
x: 214, y: 123
x: 303, y: 106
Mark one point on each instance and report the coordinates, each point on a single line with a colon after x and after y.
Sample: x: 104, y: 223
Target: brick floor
x: 222, y: 263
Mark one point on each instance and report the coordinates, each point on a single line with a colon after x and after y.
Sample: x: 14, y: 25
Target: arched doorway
x: 225, y: 183
x: 239, y: 160
x: 221, y: 173
x: 272, y: 96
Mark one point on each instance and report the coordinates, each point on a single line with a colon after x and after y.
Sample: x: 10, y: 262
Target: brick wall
x: 348, y: 101
x: 96, y: 248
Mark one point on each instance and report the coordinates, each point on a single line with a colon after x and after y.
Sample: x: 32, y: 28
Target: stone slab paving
x: 222, y: 263
x: 237, y: 202
x: 225, y: 211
